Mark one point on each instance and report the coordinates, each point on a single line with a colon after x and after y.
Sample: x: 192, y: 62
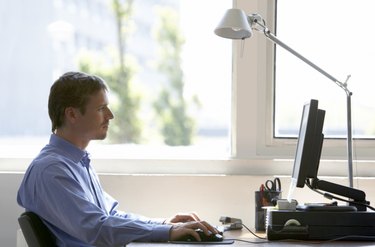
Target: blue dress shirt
x: 64, y: 190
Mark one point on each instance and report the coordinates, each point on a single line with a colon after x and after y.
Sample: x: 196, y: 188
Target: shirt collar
x: 71, y: 151
x: 85, y: 161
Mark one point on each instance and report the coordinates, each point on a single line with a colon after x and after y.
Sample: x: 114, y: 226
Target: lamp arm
x: 277, y: 41
x: 273, y: 38
x: 256, y: 20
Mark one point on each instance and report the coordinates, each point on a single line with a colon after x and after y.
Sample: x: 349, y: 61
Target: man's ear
x: 71, y: 114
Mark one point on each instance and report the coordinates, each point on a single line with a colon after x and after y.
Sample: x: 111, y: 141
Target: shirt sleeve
x: 115, y: 212
x: 61, y: 200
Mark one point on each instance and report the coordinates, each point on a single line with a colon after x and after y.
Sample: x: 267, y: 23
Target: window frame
x: 253, y: 135
x: 267, y: 144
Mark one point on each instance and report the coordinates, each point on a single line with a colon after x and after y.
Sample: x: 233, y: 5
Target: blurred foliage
x: 126, y: 126
x: 177, y: 126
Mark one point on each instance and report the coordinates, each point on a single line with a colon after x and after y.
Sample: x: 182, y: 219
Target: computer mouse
x: 211, y: 238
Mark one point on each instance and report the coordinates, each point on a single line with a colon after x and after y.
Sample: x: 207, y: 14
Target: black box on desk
x: 316, y: 225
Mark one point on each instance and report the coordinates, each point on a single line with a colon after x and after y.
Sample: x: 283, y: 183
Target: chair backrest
x: 35, y: 231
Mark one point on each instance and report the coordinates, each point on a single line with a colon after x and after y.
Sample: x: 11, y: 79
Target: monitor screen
x: 309, y: 145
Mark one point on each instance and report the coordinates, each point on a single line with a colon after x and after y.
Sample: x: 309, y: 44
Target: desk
x: 245, y: 235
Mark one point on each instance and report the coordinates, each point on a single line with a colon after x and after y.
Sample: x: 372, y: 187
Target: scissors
x: 274, y: 185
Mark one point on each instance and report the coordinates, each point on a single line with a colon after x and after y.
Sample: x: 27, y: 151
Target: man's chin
x: 101, y: 136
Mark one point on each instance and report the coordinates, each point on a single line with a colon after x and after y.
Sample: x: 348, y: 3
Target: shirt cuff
x: 160, y: 233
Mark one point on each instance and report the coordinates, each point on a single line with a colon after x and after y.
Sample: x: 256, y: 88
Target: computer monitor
x: 309, y: 145
x: 307, y: 157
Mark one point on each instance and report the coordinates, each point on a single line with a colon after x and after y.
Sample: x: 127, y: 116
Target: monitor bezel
x: 309, y: 144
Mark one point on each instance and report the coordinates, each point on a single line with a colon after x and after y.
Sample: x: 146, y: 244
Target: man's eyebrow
x: 103, y: 105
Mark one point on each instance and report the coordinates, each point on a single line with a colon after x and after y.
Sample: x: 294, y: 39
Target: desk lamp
x: 237, y: 25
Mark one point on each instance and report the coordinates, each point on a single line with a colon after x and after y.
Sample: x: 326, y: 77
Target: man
x: 61, y: 186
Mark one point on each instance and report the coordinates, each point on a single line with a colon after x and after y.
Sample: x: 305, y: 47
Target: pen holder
x: 263, y: 199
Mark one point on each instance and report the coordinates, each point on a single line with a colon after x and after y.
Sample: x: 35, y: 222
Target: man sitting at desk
x: 62, y: 187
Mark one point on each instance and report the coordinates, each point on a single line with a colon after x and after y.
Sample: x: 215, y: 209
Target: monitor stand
x: 357, y: 198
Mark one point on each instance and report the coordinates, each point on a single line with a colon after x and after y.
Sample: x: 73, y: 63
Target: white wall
x: 163, y: 196
x: 9, y: 210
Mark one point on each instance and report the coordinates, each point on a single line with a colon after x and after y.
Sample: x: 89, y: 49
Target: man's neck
x: 72, y: 138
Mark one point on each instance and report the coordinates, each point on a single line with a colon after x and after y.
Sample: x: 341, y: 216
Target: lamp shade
x: 234, y: 25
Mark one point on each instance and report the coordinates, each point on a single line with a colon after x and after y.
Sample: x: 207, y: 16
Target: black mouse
x: 211, y: 238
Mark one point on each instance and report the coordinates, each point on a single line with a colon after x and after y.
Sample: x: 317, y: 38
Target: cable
x: 307, y: 183
x: 249, y: 241
x: 253, y: 232
x: 350, y: 237
x: 347, y: 237
x: 330, y: 196
x: 309, y: 241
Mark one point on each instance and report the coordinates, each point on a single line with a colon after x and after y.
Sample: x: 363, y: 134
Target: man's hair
x: 72, y: 89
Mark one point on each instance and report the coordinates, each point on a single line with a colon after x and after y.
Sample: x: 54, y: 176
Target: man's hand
x: 182, y: 218
x: 186, y: 224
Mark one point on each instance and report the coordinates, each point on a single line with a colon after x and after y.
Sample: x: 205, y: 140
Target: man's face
x: 94, y: 123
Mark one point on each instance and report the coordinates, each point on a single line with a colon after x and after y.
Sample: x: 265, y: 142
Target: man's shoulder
x: 52, y: 158
x: 50, y: 155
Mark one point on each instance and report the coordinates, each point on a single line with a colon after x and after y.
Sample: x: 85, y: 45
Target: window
x: 69, y: 35
x: 334, y: 35
x: 248, y: 120
x: 254, y: 71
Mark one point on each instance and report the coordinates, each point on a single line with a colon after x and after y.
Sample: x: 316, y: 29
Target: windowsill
x: 210, y: 167
x: 199, y: 160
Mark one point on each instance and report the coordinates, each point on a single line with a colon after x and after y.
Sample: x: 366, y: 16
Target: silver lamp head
x: 234, y: 25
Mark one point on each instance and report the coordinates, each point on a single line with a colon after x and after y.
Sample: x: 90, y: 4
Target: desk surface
x: 244, y: 235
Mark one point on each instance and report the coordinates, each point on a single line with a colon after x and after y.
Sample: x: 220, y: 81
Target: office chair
x: 35, y: 231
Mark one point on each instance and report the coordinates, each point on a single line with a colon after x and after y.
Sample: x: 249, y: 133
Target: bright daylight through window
x: 334, y: 35
x: 160, y: 59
